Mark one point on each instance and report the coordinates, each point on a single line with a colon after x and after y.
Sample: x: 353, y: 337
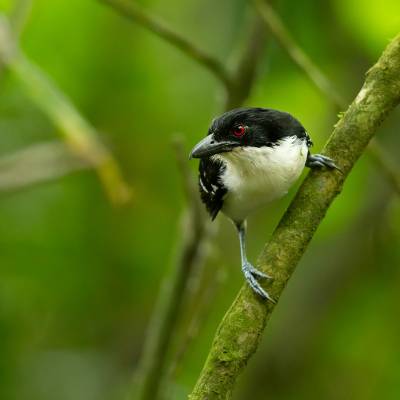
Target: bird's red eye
x: 239, y: 131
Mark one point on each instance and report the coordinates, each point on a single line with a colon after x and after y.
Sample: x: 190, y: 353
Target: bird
x: 250, y: 157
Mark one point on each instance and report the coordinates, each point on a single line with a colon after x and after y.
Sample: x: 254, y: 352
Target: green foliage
x: 370, y: 23
x: 79, y: 278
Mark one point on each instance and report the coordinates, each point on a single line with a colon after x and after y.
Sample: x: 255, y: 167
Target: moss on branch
x: 239, y: 333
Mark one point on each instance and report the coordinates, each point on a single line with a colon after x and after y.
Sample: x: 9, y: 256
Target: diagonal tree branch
x: 73, y: 127
x: 282, y: 365
x: 134, y: 12
x: 240, y: 331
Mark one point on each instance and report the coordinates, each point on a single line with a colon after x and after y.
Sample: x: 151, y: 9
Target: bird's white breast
x: 257, y: 175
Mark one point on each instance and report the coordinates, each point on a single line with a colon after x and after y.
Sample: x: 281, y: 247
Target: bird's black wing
x: 309, y: 142
x: 304, y: 135
x: 212, y: 191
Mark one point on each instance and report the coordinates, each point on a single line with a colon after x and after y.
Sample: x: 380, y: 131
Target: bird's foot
x: 251, y: 275
x: 255, y: 272
x: 320, y: 161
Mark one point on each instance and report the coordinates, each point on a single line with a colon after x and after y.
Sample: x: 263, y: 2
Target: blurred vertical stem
x: 195, y: 230
x: 19, y: 15
x: 278, y: 30
x: 202, y: 300
x: 387, y: 165
x: 76, y: 131
x: 239, y: 333
x: 247, y: 67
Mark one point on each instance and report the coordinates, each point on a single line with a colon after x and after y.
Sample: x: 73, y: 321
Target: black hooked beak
x: 209, y: 146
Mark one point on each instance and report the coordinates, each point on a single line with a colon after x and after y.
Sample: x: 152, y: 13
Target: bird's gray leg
x: 250, y: 273
x: 320, y: 161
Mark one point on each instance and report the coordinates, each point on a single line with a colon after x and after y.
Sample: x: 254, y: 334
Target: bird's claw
x: 320, y: 161
x: 251, y: 274
x: 256, y: 273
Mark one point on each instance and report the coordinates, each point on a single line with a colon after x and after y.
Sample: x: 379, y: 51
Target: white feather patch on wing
x: 202, y: 185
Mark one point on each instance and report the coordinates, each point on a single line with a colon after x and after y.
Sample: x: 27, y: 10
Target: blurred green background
x: 79, y: 277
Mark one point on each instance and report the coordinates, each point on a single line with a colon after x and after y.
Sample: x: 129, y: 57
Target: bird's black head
x: 251, y: 127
